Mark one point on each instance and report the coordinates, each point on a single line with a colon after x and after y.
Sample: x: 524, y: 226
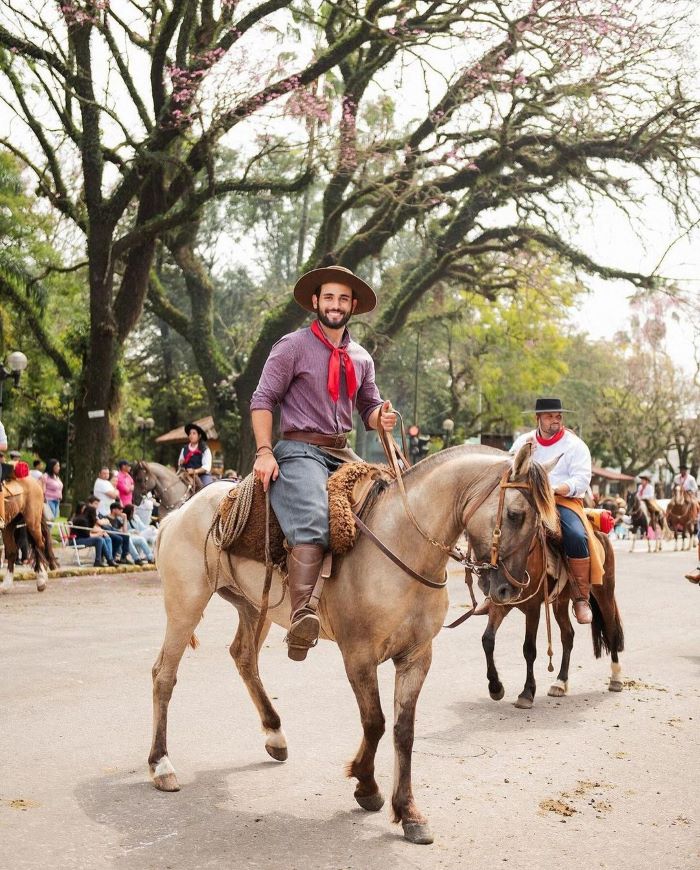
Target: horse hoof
x: 523, y: 703
x: 279, y: 753
x: 370, y: 802
x: 417, y: 833
x: 166, y: 782
x: 40, y: 585
x: 615, y: 686
x: 557, y: 690
x: 497, y: 696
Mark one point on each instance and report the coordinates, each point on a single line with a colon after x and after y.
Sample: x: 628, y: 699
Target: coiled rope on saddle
x: 226, y: 528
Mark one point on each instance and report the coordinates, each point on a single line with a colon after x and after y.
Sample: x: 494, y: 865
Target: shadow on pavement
x: 200, y: 826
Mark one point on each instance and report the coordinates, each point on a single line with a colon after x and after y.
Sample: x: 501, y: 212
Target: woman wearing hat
x: 195, y: 457
x: 318, y: 376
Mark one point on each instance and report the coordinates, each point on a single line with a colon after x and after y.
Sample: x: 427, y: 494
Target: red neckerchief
x: 190, y: 453
x: 338, y: 354
x: 547, y: 442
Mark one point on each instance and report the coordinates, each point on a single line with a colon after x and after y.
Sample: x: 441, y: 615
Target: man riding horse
x: 318, y: 376
x: 686, y: 481
x: 570, y: 479
x: 646, y: 495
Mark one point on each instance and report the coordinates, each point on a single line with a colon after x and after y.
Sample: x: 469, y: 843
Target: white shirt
x: 3, y: 438
x: 574, y: 467
x: 688, y: 483
x: 106, y: 493
x: 645, y: 491
x: 35, y: 473
x: 144, y: 510
x: 206, y: 458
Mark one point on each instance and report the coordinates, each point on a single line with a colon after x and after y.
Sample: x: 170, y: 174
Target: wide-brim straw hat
x: 310, y: 283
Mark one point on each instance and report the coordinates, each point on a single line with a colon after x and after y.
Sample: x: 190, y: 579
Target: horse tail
x: 603, y: 638
x: 194, y: 642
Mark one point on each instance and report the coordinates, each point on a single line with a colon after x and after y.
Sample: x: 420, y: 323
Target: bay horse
x: 24, y: 503
x: 170, y: 488
x: 370, y: 607
x: 681, y: 516
x: 606, y: 628
x: 644, y: 519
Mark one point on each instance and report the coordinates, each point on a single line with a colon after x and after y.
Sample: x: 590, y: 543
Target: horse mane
x: 543, y: 497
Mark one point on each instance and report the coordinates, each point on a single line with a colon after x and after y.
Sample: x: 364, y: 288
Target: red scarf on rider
x: 338, y: 355
x: 190, y: 453
x: 547, y: 442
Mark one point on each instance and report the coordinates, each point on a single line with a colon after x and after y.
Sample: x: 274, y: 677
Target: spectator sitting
x: 84, y: 526
x: 125, y: 482
x: 115, y: 527
x: 36, y: 472
x: 104, y: 492
x: 53, y: 487
x: 138, y: 542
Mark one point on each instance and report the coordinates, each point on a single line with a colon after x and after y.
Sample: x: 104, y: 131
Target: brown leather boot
x: 304, y: 566
x: 580, y: 579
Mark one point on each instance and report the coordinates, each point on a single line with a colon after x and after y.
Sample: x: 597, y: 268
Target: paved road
x: 497, y: 783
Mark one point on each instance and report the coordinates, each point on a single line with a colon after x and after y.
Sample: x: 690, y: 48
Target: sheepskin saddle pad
x: 352, y: 488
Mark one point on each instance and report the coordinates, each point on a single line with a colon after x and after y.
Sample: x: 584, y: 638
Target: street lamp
x: 17, y: 363
x: 144, y: 425
x: 448, y: 427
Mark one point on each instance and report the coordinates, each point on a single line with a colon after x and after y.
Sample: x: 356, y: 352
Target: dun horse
x: 24, y: 503
x: 681, y: 516
x: 606, y: 628
x: 371, y: 608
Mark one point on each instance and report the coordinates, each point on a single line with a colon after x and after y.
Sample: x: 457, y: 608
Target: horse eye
x: 516, y: 517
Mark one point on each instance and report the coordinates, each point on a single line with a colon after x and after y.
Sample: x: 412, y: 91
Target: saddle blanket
x: 351, y: 489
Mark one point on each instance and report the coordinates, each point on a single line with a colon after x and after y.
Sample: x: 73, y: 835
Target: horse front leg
x: 245, y: 655
x: 532, y: 620
x: 363, y: 679
x: 488, y: 642
x: 410, y: 675
x: 560, y: 686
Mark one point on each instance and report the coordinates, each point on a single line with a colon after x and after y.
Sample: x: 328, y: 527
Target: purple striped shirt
x: 295, y: 377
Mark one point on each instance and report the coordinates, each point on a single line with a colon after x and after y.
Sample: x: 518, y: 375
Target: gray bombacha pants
x: 299, y: 496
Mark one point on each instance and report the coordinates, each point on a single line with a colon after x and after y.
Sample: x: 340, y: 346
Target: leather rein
x: 458, y: 555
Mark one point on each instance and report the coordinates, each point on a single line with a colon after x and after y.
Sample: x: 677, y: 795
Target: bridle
x: 470, y: 566
x: 161, y: 490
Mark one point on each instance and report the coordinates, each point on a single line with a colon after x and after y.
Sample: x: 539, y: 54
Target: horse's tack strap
x: 395, y: 559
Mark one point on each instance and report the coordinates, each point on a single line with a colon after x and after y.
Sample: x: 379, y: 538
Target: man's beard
x: 330, y: 324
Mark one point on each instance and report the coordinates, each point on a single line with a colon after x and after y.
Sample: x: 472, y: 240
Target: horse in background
x: 606, y: 629
x: 642, y: 521
x: 24, y: 504
x: 170, y: 489
x: 682, y: 516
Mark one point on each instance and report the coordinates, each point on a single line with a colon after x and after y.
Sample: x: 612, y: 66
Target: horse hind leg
x: 36, y: 533
x: 8, y: 537
x: 178, y: 635
x: 362, y: 675
x: 245, y: 655
x: 410, y: 675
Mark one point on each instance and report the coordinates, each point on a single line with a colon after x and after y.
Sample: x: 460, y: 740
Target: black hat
x: 683, y: 467
x: 122, y: 463
x: 190, y: 426
x: 544, y: 405
x: 308, y: 286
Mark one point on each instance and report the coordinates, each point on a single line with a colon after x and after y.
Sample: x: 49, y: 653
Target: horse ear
x: 551, y: 465
x: 521, y: 463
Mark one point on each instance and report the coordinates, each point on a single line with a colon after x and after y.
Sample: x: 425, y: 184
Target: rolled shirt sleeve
x: 206, y: 459
x: 368, y: 397
x: 578, y: 469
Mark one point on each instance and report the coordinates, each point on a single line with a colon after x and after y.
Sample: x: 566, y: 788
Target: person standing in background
x: 125, y: 482
x: 53, y: 487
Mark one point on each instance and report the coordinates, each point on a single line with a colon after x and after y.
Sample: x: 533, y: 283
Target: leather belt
x: 318, y: 439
